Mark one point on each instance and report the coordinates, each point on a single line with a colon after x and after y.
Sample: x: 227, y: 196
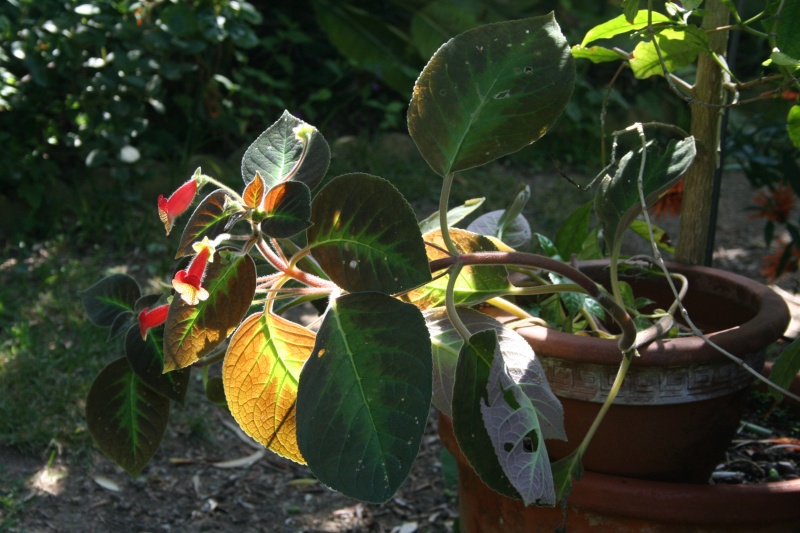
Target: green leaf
x: 125, y: 417
x: 679, y: 48
x: 788, y: 29
x: 784, y: 60
x: 490, y: 92
x: 512, y: 422
x: 260, y: 374
x: 289, y: 149
x: 595, y: 54
x: 193, y: 331
x: 146, y: 359
x: 207, y: 220
x: 574, y: 231
x: 793, y: 125
x: 180, y: 19
x: 364, y: 395
x: 365, y: 236
x: 469, y: 394
x: 630, y: 7
x: 369, y: 42
x: 639, y: 227
x: 617, y: 200
x: 516, y: 235
x: 288, y: 207
x: 454, y: 215
x: 440, y: 20
x: 110, y: 298
x: 619, y: 26
x: 475, y: 284
x: 785, y: 369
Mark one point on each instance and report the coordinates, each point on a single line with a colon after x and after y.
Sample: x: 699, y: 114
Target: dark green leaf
x: 288, y: 208
x: 289, y: 149
x: 192, y: 331
x: 490, y: 92
x: 146, y: 359
x: 788, y: 30
x: 110, y: 298
x: 617, y: 200
x: 438, y: 21
x: 574, y: 231
x: 365, y: 236
x: 126, y: 418
x: 208, y: 220
x: 631, y: 8
x: 364, y: 395
x: 469, y: 395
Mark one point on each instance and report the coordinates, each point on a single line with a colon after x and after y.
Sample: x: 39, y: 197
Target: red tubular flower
x: 170, y: 208
x: 151, y: 319
x: 188, y: 283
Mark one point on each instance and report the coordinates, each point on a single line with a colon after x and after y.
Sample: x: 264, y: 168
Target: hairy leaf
x: 490, y: 92
x: 260, y: 374
x: 146, y: 358
x: 288, y: 207
x: 364, y: 395
x: 208, y: 220
x: 110, y: 298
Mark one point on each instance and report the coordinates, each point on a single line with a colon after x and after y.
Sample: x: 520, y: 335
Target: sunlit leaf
x: 364, y: 395
x: 125, y: 417
x: 194, y: 331
x: 619, y: 26
x: 146, y: 359
x: 490, y: 92
x: 475, y: 284
x: 595, y: 54
x: 208, y: 220
x: 617, y: 199
x: 254, y: 192
x: 109, y: 298
x: 365, y: 236
x: 793, y: 125
x: 288, y: 207
x: 679, y: 48
x: 279, y: 155
x: 260, y: 374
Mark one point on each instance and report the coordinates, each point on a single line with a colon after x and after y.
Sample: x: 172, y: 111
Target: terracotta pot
x: 682, y: 401
x: 604, y: 504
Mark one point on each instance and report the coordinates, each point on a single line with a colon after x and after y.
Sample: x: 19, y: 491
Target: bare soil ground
x: 184, y: 489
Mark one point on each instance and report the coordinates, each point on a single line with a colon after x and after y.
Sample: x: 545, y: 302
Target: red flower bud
x: 170, y: 208
x: 151, y: 319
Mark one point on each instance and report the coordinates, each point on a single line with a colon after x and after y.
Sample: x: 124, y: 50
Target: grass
x: 50, y: 353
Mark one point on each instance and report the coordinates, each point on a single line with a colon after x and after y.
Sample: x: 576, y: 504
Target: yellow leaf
x: 260, y: 375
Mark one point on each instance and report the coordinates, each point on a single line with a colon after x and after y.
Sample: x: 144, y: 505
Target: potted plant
x: 401, y: 300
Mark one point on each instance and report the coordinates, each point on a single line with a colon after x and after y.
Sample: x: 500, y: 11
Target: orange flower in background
x: 151, y: 319
x: 670, y: 203
x: 774, y: 204
x: 770, y: 265
x: 170, y: 208
x: 790, y: 95
x: 188, y: 283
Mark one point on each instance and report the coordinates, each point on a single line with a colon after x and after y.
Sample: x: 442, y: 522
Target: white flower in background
x: 129, y: 154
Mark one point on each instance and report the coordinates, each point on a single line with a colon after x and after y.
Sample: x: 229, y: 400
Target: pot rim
x: 767, y: 325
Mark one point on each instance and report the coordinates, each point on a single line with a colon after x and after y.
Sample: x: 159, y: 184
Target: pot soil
x: 681, y: 401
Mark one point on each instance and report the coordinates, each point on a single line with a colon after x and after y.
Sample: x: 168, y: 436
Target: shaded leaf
x: 617, y: 200
x: 194, y: 331
x: 785, y: 369
x: 365, y: 236
x: 110, y: 298
x: 490, y: 92
x: 475, y: 284
x: 574, y: 231
x: 125, y: 417
x: 454, y: 215
x: 517, y: 234
x: 364, y: 395
x: 438, y: 21
x: 146, y: 359
x: 288, y: 208
x: 788, y: 29
x: 278, y: 154
x: 469, y: 394
x: 260, y: 374
x: 207, y: 220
